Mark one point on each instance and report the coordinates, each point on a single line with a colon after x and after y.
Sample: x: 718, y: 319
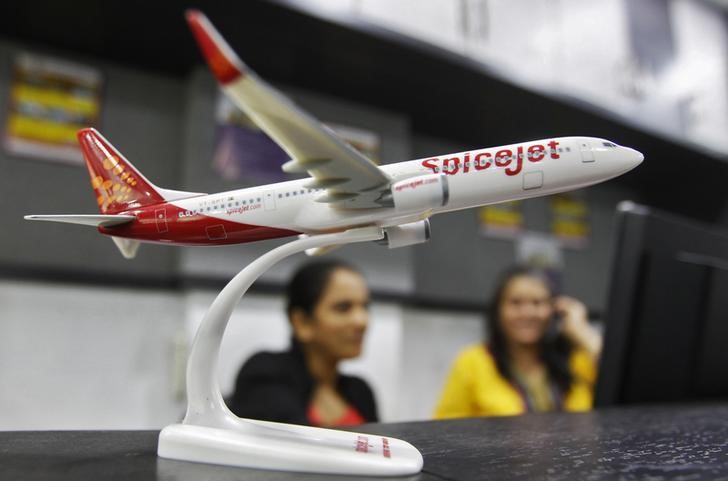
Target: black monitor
x: 666, y: 322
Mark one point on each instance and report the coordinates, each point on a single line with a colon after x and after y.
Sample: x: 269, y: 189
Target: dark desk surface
x: 656, y: 443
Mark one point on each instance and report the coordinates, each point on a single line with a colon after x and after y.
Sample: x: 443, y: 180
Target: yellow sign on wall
x: 570, y: 219
x: 50, y: 100
x: 503, y: 220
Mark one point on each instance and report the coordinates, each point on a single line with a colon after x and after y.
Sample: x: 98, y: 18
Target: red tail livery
x: 118, y: 185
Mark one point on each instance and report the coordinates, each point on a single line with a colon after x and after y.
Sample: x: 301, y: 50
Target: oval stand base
x: 278, y: 446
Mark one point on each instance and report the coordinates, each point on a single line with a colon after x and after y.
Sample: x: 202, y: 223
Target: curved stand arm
x: 206, y: 406
x: 210, y: 433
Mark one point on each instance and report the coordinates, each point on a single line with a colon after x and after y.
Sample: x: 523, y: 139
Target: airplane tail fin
x: 117, y: 184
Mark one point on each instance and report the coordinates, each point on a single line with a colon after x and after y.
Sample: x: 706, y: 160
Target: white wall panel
x: 86, y: 358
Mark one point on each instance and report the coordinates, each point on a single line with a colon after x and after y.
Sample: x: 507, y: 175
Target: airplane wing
x: 95, y: 220
x: 350, y: 179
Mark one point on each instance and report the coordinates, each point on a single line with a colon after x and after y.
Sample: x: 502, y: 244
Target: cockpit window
x: 609, y: 144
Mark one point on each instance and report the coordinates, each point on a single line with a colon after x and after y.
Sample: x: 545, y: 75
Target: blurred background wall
x: 90, y: 340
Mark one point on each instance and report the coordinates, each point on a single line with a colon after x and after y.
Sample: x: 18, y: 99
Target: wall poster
x: 50, y: 100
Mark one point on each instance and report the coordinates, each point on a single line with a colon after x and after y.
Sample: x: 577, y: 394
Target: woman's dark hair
x: 555, y: 349
x: 308, y: 284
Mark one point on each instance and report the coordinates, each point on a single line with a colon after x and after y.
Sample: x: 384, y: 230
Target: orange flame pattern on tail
x: 118, y: 185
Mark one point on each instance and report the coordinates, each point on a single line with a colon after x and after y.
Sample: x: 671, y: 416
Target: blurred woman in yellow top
x: 541, y: 355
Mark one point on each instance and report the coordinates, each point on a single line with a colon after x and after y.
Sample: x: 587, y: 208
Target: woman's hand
x: 575, y: 325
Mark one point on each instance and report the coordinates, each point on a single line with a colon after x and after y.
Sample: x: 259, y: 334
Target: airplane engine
x: 407, y: 234
x: 420, y: 193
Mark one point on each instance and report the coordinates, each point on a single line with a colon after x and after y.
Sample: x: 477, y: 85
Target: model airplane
x: 345, y: 189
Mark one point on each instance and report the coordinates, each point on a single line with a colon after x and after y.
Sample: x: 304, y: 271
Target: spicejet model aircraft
x: 345, y: 189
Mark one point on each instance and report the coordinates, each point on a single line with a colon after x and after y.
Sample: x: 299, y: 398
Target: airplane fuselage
x: 473, y: 178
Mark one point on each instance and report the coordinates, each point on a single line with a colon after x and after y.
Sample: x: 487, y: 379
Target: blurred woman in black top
x: 328, y: 307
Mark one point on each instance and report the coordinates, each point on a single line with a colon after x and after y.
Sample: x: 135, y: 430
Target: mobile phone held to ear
x: 553, y: 330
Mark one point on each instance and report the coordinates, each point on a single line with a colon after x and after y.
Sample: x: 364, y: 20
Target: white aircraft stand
x: 211, y: 433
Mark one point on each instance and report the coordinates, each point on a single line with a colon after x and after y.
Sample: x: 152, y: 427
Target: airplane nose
x: 634, y: 157
x: 629, y: 158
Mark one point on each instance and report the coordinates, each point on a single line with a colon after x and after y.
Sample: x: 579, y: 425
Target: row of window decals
x: 297, y: 192
x: 217, y: 205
